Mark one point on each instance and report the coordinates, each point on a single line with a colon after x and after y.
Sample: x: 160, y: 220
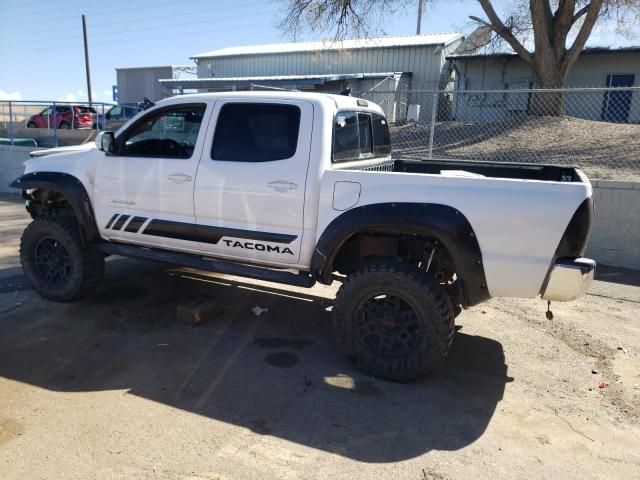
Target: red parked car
x: 63, y: 116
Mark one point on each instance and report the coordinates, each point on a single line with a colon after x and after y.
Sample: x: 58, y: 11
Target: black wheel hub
x: 388, y: 325
x: 52, y: 261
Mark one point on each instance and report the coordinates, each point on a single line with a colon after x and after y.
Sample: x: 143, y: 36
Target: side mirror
x: 105, y: 142
x: 98, y: 140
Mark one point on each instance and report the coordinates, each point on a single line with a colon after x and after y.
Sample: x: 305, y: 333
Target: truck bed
x: 520, y: 171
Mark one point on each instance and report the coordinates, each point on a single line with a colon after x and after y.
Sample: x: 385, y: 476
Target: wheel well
x: 56, y: 193
x: 425, y: 251
x: 47, y: 201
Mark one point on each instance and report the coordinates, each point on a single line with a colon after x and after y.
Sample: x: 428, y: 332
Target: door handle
x: 282, y: 185
x: 179, y: 177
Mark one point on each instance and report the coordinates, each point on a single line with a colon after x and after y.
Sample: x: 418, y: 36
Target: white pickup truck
x: 299, y: 188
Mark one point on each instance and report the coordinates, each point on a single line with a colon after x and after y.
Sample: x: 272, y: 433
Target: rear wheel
x: 393, y: 320
x: 31, y: 125
x: 55, y: 260
x: 65, y: 125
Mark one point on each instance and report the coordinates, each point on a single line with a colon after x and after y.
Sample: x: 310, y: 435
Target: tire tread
x: 443, y: 324
x: 91, y: 259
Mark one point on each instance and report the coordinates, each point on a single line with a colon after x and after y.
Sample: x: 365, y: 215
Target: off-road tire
x: 434, y: 317
x: 85, y: 262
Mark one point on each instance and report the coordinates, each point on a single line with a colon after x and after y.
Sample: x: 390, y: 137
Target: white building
x: 381, y: 69
x: 135, y: 83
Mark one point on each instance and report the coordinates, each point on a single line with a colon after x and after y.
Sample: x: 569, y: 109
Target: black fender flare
x: 443, y: 222
x: 72, y: 189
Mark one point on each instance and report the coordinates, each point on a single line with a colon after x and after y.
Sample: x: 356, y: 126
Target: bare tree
x: 560, y: 29
x: 340, y: 18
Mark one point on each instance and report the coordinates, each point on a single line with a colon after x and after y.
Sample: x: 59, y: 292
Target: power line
x: 147, y: 28
x: 100, y: 10
x: 20, y: 5
x: 160, y: 17
x: 181, y: 34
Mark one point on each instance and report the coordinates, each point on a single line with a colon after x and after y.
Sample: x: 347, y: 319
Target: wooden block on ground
x: 198, y: 311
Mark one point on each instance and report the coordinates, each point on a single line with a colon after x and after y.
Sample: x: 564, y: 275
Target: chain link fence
x: 48, y: 123
x: 596, y: 129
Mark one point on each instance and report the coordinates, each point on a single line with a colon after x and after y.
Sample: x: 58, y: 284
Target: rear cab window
x: 360, y: 135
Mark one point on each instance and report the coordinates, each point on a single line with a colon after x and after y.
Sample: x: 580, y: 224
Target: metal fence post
x: 11, y: 122
x: 434, y: 108
x: 55, y: 125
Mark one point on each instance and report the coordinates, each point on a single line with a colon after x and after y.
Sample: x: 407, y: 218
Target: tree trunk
x: 550, y: 74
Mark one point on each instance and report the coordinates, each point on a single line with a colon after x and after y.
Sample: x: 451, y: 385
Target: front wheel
x: 55, y: 260
x: 393, y: 320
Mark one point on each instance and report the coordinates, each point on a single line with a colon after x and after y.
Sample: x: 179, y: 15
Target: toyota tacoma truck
x: 300, y: 188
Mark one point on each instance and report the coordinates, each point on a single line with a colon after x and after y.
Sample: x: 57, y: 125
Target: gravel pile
x: 602, y: 150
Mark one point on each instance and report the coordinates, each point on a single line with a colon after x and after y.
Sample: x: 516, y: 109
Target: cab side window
x: 381, y: 136
x: 256, y: 132
x: 360, y: 135
x: 166, y: 133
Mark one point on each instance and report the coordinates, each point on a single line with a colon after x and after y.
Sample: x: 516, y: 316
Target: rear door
x: 83, y: 116
x: 113, y: 120
x: 144, y: 192
x: 250, y: 188
x: 44, y: 119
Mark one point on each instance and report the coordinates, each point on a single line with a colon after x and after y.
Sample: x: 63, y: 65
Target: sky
x: 42, y: 57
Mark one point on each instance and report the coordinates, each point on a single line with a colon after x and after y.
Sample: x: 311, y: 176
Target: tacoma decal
x: 261, y: 247
x: 201, y: 233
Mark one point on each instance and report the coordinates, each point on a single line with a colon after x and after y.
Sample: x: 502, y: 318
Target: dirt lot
x: 603, y: 150
x: 115, y: 387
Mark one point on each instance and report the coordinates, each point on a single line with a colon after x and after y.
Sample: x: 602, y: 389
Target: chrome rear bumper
x: 569, y: 279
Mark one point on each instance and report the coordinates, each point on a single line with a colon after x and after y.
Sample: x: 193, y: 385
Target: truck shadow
x: 276, y: 374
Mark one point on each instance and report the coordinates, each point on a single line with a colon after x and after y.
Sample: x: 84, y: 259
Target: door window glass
x: 168, y: 133
x: 256, y: 132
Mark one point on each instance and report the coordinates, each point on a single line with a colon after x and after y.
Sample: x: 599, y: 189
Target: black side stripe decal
x: 209, y: 234
x: 110, y: 222
x: 135, y: 224
x: 118, y: 225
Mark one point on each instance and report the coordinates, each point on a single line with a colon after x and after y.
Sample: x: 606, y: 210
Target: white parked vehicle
x: 301, y: 188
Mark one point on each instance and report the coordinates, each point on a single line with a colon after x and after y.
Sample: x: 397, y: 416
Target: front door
x: 617, y: 104
x: 144, y: 191
x: 250, y: 188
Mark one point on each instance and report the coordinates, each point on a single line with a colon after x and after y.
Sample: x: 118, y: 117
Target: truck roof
x: 337, y: 102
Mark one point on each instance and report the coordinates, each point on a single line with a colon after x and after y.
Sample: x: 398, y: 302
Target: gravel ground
x: 114, y: 387
x: 602, y: 150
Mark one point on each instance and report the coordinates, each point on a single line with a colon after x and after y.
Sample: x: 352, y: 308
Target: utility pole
x: 86, y: 57
x: 420, y: 2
